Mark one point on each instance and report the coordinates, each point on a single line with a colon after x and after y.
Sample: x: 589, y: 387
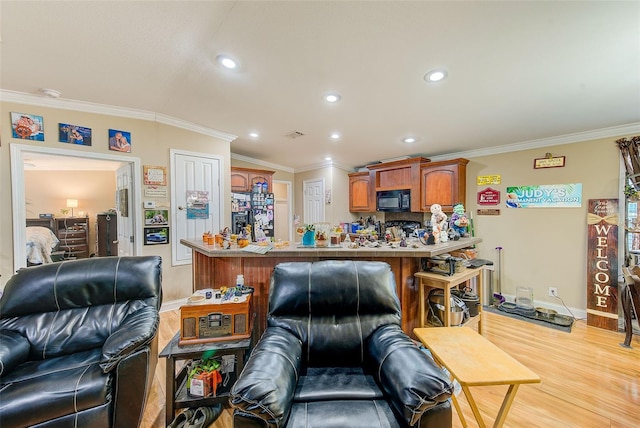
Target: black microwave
x: 393, y: 200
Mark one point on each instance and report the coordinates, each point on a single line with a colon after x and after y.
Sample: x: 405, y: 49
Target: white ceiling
x: 518, y: 71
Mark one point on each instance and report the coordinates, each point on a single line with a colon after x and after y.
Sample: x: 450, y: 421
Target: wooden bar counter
x: 214, y: 267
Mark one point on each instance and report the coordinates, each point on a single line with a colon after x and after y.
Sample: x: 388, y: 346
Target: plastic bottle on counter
x: 239, y: 285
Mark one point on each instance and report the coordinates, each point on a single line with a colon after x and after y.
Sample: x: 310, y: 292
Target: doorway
x: 196, y: 199
x: 313, y: 191
x: 283, y: 210
x: 21, y: 153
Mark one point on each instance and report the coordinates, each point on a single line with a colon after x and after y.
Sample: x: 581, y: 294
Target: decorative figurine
x: 459, y: 221
x: 453, y: 235
x: 438, y: 221
x: 431, y: 240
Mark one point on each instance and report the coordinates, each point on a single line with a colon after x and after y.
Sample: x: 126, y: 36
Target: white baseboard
x: 172, y: 305
x: 577, y: 313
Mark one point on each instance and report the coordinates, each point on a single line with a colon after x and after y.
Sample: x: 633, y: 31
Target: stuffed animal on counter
x: 459, y: 221
x: 438, y: 221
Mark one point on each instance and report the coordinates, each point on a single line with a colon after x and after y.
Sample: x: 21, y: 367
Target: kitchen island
x: 214, y: 267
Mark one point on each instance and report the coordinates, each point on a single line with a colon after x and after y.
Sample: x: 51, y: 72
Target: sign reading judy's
x: 545, y: 196
x: 602, y: 264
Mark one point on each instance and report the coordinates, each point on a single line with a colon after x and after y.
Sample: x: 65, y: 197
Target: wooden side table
x: 444, y: 282
x: 176, y: 391
x: 475, y: 361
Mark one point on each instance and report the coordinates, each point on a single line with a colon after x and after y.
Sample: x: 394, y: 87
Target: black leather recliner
x: 78, y: 343
x: 333, y: 355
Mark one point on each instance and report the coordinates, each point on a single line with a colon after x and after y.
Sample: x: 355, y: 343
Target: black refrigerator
x: 255, y: 209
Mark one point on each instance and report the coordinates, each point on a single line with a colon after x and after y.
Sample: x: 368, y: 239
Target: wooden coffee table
x: 474, y: 361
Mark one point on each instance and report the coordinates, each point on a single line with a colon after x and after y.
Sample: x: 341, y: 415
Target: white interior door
x: 313, y: 191
x: 190, y: 173
x: 124, y: 193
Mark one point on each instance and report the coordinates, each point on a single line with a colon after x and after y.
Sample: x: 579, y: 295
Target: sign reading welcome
x: 602, y: 264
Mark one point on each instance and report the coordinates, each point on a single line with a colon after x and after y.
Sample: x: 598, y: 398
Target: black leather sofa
x: 333, y: 355
x: 78, y: 344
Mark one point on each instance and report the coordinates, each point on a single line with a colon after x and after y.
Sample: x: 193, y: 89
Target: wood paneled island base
x: 213, y: 267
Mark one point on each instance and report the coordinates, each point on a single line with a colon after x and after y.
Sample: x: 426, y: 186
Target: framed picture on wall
x: 156, y: 235
x: 119, y: 141
x: 155, y: 175
x: 74, y: 134
x: 27, y: 126
x: 122, y: 201
x: 156, y: 217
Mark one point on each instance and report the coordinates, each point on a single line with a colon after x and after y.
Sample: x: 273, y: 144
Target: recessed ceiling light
x: 409, y: 140
x: 226, y: 61
x: 335, y: 136
x: 254, y: 134
x: 332, y: 98
x: 435, y: 75
x: 328, y: 158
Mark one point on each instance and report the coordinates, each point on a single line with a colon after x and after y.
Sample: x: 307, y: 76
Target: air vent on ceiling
x: 294, y: 134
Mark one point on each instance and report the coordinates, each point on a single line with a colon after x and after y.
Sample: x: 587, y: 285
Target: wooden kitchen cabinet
x: 243, y: 179
x: 361, y: 193
x: 443, y: 183
x: 398, y: 175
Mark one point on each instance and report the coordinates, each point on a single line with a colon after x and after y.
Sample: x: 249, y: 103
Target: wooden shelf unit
x: 73, y: 234
x: 446, y: 283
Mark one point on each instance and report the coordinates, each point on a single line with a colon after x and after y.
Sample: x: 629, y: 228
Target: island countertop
x: 214, y: 267
x: 295, y: 250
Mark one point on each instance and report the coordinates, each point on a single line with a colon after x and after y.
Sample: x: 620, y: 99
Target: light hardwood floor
x: 588, y: 379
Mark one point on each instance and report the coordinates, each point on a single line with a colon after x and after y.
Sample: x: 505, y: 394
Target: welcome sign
x: 602, y: 264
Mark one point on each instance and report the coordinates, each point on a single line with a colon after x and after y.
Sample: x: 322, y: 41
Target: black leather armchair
x: 333, y: 355
x: 78, y: 345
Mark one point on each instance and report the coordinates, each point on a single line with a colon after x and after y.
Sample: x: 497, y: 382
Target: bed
x: 41, y: 241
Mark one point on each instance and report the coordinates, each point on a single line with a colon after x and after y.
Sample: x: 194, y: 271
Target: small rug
x: 544, y: 323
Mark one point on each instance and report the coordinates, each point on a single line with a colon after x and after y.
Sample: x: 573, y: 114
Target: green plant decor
x: 204, y: 366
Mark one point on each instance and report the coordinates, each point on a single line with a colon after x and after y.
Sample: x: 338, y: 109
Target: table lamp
x: 72, y: 203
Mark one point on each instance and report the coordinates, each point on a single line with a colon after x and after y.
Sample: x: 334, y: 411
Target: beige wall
x: 47, y: 192
x: 544, y: 247
x: 335, y: 180
x: 151, y: 143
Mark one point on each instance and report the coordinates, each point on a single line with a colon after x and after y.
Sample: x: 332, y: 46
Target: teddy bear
x: 459, y: 221
x: 438, y: 221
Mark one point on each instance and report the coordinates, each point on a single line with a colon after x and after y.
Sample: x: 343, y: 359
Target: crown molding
x: 578, y: 137
x: 179, y: 123
x: 325, y: 165
x: 87, y: 107
x: 66, y: 104
x: 261, y: 162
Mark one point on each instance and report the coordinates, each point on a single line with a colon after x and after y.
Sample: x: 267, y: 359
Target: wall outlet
x: 553, y: 291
